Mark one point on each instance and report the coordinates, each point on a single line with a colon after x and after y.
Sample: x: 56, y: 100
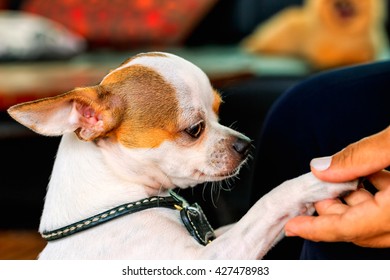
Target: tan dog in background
x: 327, y: 33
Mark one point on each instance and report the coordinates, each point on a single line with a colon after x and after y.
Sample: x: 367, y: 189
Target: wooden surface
x: 20, y: 244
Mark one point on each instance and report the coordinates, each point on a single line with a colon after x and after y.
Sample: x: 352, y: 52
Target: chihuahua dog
x: 326, y: 33
x: 151, y: 126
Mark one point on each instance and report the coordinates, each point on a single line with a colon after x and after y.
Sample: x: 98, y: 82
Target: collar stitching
x: 170, y: 202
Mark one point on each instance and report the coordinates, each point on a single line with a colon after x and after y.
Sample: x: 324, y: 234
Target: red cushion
x: 124, y: 23
x: 4, y: 4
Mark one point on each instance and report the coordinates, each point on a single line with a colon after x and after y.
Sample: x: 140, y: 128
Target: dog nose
x: 242, y: 146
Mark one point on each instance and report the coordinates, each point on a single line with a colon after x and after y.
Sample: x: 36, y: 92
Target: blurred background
x: 48, y: 47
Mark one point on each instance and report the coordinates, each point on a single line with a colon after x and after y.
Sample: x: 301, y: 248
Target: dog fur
x: 151, y: 125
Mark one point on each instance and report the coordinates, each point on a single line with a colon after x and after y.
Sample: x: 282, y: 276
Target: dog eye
x: 195, y: 130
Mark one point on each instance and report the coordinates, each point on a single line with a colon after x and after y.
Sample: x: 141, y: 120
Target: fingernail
x: 321, y: 164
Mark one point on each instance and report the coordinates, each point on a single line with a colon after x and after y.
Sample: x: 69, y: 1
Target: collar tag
x: 197, y: 224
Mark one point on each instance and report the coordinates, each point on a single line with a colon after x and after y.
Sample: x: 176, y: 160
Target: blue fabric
x: 315, y: 118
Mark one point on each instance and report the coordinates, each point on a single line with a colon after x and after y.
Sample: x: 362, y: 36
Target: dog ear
x: 89, y: 112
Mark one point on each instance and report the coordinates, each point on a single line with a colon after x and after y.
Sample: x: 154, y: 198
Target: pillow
x: 29, y: 37
x: 125, y: 24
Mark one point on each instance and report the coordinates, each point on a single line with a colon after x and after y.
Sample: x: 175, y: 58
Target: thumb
x: 362, y: 158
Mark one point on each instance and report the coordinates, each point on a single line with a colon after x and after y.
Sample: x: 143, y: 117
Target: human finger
x: 330, y: 206
x: 321, y: 228
x: 379, y: 241
x: 381, y: 179
x: 357, y: 197
x: 332, y: 229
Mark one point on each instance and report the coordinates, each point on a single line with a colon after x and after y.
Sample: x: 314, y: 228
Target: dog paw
x: 319, y: 190
x: 297, y: 196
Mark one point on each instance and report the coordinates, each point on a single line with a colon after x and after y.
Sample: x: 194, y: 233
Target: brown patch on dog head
x: 151, y: 108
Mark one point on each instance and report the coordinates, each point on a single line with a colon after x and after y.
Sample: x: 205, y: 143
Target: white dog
x: 150, y: 126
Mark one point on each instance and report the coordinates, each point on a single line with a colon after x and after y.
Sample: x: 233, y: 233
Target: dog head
x: 154, y: 119
x: 353, y: 16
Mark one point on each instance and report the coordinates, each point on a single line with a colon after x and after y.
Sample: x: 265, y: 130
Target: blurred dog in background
x: 327, y: 33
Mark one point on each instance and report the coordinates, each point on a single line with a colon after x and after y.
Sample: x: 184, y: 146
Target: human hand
x: 365, y: 218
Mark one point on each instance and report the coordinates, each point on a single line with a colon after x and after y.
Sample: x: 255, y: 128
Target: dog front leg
x: 252, y: 236
x: 262, y: 227
x: 218, y: 232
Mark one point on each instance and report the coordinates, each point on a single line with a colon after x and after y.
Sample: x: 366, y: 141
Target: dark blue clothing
x: 318, y: 117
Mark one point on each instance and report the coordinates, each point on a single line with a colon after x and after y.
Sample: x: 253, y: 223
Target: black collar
x: 192, y: 216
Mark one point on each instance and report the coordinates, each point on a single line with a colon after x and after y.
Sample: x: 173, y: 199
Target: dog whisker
x: 203, y: 190
x: 214, y: 189
x: 233, y: 125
